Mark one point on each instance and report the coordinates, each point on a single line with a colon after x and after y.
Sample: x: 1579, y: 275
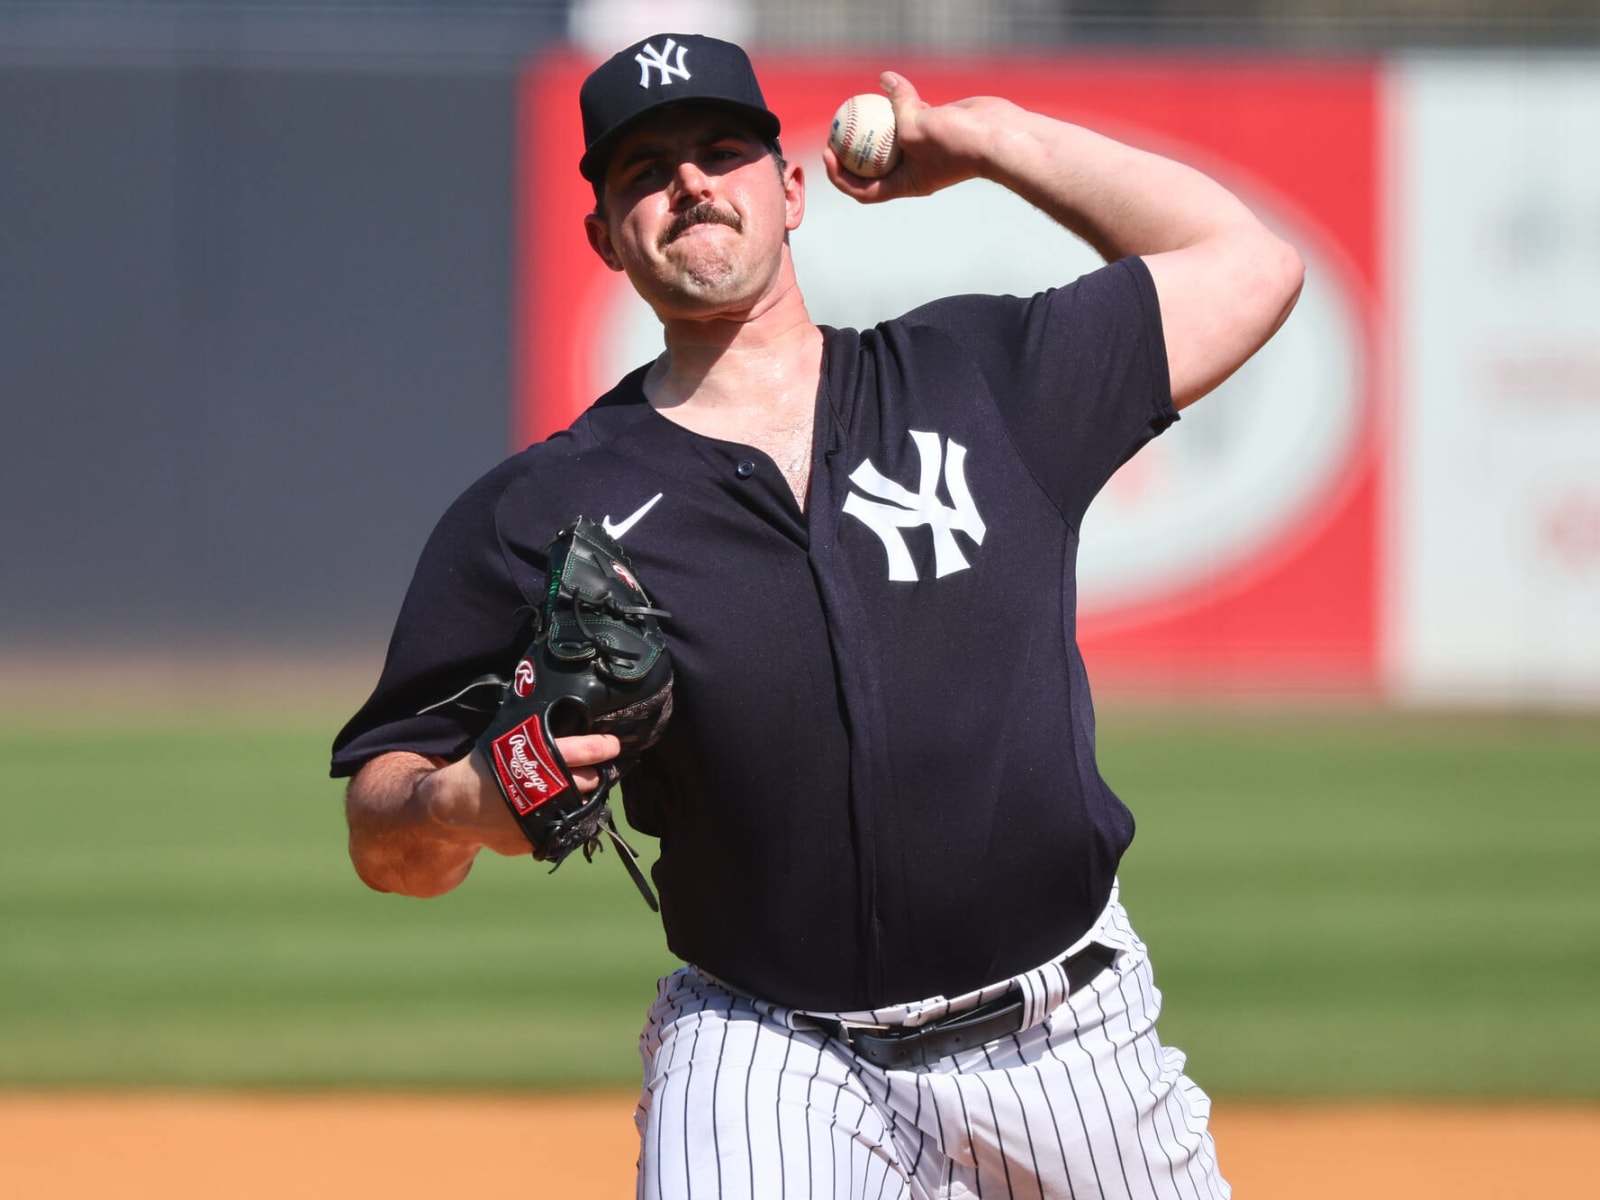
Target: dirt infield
x: 63, y: 1147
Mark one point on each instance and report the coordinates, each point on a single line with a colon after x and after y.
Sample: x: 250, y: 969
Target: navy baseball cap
x: 668, y: 68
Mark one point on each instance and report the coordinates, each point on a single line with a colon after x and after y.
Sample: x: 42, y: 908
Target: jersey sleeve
x: 1079, y: 374
x: 466, y: 615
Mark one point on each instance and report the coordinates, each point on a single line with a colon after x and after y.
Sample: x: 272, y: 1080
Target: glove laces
x: 608, y: 606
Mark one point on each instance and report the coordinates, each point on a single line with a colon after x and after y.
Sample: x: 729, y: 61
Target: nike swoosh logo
x: 627, y: 523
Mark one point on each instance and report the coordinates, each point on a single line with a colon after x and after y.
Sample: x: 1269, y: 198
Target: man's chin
x: 708, y: 274
x: 699, y: 298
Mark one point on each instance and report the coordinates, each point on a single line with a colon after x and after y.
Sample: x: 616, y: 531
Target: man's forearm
x: 1224, y: 281
x: 396, y: 844
x: 415, y: 827
x: 1119, y: 199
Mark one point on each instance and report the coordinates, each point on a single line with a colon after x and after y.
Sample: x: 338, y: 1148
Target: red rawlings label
x: 526, y: 766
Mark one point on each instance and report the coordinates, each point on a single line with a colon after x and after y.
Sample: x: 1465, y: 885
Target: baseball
x: 863, y: 135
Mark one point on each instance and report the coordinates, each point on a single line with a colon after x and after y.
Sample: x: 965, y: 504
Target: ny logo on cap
x: 651, y: 57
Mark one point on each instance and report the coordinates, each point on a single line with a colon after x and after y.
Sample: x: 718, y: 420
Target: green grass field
x: 1339, y: 904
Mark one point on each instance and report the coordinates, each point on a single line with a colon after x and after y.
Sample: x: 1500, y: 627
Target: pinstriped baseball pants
x: 740, y: 1100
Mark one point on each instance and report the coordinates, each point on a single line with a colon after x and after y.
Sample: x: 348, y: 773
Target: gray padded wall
x: 254, y: 334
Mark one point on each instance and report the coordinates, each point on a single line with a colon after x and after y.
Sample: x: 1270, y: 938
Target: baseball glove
x: 597, y: 664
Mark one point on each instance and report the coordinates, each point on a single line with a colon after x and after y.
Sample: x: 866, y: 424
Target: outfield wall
x: 252, y: 339
x: 262, y: 315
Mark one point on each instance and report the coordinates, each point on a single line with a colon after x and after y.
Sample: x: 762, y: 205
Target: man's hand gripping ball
x: 597, y: 664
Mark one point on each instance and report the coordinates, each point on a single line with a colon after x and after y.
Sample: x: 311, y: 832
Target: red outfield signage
x: 1239, y: 550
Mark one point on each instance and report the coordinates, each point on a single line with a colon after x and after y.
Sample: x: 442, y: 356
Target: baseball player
x: 887, y: 859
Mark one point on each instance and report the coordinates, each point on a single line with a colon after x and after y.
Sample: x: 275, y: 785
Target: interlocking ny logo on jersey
x: 652, y: 59
x: 897, y: 508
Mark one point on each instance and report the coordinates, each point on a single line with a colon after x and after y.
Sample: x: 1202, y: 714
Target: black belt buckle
x: 1084, y: 967
x: 924, y: 1044
x: 921, y: 1045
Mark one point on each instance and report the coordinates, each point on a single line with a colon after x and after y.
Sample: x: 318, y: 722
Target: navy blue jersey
x: 879, y: 782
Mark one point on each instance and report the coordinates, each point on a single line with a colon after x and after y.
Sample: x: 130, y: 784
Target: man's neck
x: 737, y: 366
x: 752, y: 381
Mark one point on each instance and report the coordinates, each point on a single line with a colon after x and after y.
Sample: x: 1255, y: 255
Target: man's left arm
x: 1224, y: 280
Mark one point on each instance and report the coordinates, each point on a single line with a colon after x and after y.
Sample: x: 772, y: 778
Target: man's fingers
x: 582, y: 752
x: 900, y: 91
x: 586, y: 749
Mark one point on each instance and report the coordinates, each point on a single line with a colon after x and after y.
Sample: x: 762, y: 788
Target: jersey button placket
x: 745, y: 469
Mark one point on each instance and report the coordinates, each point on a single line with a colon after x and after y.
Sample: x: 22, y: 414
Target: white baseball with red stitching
x: 863, y: 135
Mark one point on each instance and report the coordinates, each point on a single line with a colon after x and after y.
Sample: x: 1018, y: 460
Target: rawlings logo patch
x: 526, y: 767
x: 522, y: 679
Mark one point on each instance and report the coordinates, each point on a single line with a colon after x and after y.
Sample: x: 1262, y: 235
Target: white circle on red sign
x: 1249, y: 474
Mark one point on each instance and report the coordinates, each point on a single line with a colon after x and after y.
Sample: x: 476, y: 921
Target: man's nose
x: 688, y: 180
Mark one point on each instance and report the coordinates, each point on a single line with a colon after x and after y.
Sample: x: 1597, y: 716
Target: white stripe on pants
x: 741, y: 1102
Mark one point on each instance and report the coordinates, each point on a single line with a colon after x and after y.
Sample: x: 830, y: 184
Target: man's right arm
x: 1224, y: 281
x: 416, y: 827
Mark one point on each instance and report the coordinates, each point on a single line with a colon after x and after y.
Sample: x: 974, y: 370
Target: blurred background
x: 277, y: 280
x: 263, y: 311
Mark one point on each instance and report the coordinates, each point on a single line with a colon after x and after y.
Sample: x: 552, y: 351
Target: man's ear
x: 594, y: 227
x: 794, y: 196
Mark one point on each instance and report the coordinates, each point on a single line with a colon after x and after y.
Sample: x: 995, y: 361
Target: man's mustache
x: 704, y: 213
